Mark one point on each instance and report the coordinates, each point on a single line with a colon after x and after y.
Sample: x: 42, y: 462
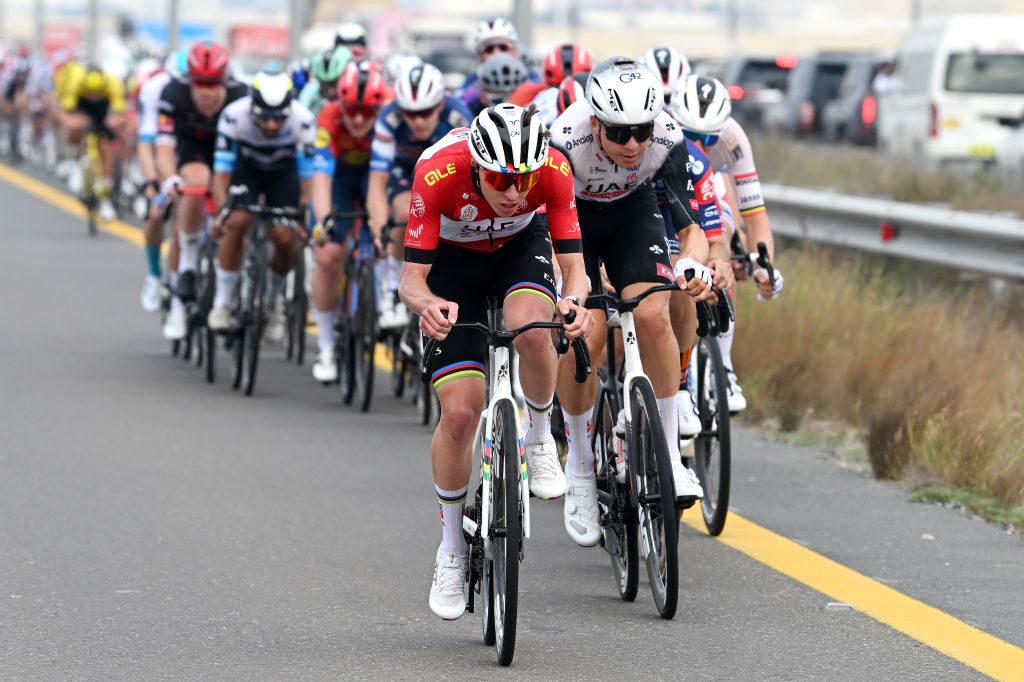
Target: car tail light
x: 933, y: 120
x: 786, y: 61
x: 868, y: 110
x: 736, y: 92
x: 807, y: 115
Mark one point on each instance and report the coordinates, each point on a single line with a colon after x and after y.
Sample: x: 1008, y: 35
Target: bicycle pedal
x: 683, y: 503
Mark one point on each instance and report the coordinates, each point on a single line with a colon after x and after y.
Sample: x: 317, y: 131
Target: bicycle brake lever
x: 562, y: 343
x: 583, y: 366
x: 703, y: 310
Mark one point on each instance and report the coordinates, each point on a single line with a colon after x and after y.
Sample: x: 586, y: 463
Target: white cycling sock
x: 580, y: 462
x: 451, y: 504
x: 670, y: 423
x: 276, y: 287
x: 725, y: 344
x: 226, y: 281
x: 325, y: 320
x: 172, y: 279
x: 189, y: 258
x: 538, y: 428
x: 394, y: 272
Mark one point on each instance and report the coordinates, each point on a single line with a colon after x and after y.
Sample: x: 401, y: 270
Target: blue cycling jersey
x: 393, y: 144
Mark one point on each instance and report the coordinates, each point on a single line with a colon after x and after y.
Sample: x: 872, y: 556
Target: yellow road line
x: 926, y: 624
x: 69, y: 204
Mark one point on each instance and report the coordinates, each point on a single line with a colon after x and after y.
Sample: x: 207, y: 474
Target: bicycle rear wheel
x: 657, y: 518
x: 502, y: 571
x: 618, y: 518
x: 366, y: 335
x: 713, y: 447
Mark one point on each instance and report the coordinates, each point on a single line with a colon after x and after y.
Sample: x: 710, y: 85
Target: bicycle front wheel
x: 713, y: 449
x: 506, y: 538
x: 366, y: 339
x: 618, y: 518
x: 253, y: 316
x: 658, y: 522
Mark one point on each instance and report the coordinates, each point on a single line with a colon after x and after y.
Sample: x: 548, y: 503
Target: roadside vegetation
x: 855, y: 170
x: 928, y: 373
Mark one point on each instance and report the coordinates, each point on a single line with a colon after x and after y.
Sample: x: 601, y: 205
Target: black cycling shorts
x: 191, y: 150
x: 97, y: 111
x: 280, y: 188
x: 521, y: 267
x: 628, y: 236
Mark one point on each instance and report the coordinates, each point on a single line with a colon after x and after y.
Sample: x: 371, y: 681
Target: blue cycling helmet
x: 176, y: 64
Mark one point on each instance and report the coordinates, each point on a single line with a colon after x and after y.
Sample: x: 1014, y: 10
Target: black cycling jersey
x: 182, y: 125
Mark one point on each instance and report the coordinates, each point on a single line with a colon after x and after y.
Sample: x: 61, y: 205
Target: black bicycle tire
x: 366, y: 345
x: 645, y: 411
x: 619, y: 538
x: 211, y: 354
x: 254, y: 318
x: 399, y: 365
x: 714, y: 506
x: 301, y: 307
x: 506, y: 584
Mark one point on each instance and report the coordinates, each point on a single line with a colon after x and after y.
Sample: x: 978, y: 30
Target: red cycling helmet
x: 208, y: 63
x: 564, y: 61
x: 362, y: 85
x: 570, y: 90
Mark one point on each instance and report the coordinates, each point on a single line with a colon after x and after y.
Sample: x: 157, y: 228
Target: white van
x: 959, y: 76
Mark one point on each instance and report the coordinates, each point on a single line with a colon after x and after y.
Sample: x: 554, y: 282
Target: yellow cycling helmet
x: 94, y: 81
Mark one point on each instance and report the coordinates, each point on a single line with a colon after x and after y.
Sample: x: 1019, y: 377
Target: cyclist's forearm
x: 147, y: 160
x: 759, y: 229
x: 694, y: 244
x: 321, y: 196
x: 304, y: 192
x: 377, y: 200
x: 574, y: 276
x: 718, y: 248
x: 220, y: 187
x: 413, y: 289
x: 166, y: 161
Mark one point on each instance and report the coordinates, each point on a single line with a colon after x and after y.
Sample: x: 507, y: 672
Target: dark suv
x: 813, y: 84
x: 853, y: 115
x: 755, y: 83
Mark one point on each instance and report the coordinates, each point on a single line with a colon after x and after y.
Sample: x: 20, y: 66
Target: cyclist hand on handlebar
x: 582, y: 324
x: 699, y: 287
x: 436, y: 319
x: 722, y: 274
x: 171, y: 186
x: 764, y: 286
x: 217, y: 224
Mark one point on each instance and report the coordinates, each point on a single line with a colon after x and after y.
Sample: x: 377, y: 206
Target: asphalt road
x: 154, y: 527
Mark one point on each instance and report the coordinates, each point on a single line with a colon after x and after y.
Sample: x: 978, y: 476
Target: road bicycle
x: 498, y: 521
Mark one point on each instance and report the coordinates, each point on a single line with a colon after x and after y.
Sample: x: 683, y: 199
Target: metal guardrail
x: 973, y: 242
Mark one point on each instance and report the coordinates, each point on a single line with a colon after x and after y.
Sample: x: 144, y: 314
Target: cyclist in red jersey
x: 473, y: 232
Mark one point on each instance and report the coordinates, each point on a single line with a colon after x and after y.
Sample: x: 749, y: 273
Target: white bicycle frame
x: 500, y: 383
x: 631, y: 363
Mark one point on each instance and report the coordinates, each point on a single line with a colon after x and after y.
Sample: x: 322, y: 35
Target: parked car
x: 960, y: 78
x: 813, y: 83
x: 755, y: 83
x: 853, y: 115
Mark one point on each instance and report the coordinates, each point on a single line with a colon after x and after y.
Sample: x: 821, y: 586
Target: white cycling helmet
x: 669, y: 63
x: 701, y: 104
x: 498, y: 28
x: 350, y: 34
x: 271, y: 92
x: 501, y: 74
x: 397, y: 63
x: 509, y: 139
x: 622, y: 91
x: 419, y: 87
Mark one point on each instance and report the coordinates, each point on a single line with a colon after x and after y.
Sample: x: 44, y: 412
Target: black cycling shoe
x: 186, y: 288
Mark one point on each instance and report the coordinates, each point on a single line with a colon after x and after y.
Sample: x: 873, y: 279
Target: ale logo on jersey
x: 437, y: 175
x: 469, y: 212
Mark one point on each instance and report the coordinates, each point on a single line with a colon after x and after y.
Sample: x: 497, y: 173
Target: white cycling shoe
x: 448, y: 588
x: 581, y: 512
x: 175, y: 325
x: 737, y: 402
x: 150, y: 295
x: 273, y: 330
x: 686, y: 482
x: 219, y: 319
x: 546, y: 477
x: 106, y: 209
x: 325, y: 369
x: 689, y: 422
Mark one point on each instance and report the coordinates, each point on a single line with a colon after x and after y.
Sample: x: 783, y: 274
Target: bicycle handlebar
x: 506, y: 337
x: 626, y: 305
x: 762, y: 259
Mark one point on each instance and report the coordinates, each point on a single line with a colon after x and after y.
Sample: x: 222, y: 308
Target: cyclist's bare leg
x: 283, y: 258
x: 451, y: 449
x: 329, y: 258
x: 579, y: 398
x: 537, y: 356
x: 229, y: 251
x: 189, y: 214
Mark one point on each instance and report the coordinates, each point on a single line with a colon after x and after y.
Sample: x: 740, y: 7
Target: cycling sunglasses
x: 496, y: 47
x: 426, y: 113
x: 268, y: 116
x: 621, y: 134
x: 364, y: 111
x: 523, y: 182
x: 703, y: 139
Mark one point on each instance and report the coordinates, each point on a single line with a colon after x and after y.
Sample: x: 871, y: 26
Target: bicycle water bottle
x: 620, y: 447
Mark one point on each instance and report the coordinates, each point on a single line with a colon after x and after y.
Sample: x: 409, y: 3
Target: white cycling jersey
x: 546, y: 102
x: 149, y: 106
x: 732, y: 153
x: 595, y: 176
x: 237, y: 133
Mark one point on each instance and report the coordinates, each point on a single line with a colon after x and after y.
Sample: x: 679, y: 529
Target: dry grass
x: 933, y: 377
x: 853, y: 170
